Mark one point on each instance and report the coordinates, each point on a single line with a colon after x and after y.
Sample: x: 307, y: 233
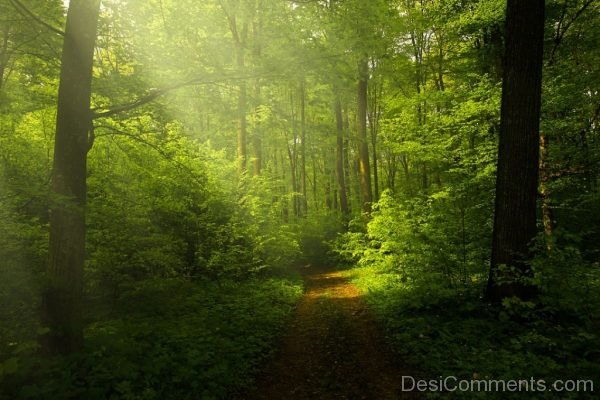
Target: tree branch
x: 22, y: 9
x: 118, y: 132
x: 153, y: 94
x: 562, y: 29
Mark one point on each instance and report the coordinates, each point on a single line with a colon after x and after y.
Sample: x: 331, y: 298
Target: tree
x: 363, y: 143
x: 340, y: 175
x: 62, y: 296
x: 240, y: 41
x: 518, y: 153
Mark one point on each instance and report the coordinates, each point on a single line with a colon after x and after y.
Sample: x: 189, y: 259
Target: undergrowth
x: 166, y: 339
x: 453, y: 333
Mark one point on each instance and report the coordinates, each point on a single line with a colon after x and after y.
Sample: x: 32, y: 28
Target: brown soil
x: 333, y: 349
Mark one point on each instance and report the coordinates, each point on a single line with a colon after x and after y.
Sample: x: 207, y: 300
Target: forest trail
x: 333, y: 349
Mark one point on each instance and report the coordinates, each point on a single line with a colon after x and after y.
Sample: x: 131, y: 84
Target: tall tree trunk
x: 286, y: 212
x: 293, y: 171
x: 62, y: 297
x: 363, y: 152
x: 4, y: 53
x: 518, y: 153
x: 240, y: 39
x: 242, y: 129
x: 440, y: 67
x: 340, y: 175
x: 257, y: 135
x: 391, y: 170
x: 242, y: 101
x: 304, y: 199
x: 374, y: 115
x: 348, y: 162
x: 293, y: 156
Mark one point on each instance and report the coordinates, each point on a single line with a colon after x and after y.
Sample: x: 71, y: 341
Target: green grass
x: 166, y: 340
x: 447, y: 332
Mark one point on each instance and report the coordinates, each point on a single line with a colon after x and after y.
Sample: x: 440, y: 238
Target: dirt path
x: 332, y: 350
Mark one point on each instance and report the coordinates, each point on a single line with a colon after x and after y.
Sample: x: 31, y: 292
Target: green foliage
x: 445, y: 332
x: 183, y: 246
x: 164, y: 339
x: 422, y: 259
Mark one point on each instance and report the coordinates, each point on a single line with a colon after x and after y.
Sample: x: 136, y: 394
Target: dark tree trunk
x: 363, y: 151
x: 374, y: 115
x: 518, y: 153
x: 62, y: 297
x: 340, y: 174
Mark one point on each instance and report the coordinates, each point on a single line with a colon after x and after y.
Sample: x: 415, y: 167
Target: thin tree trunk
x: 242, y: 138
x: 304, y: 199
x: 294, y: 174
x: 518, y: 153
x: 286, y: 212
x: 4, y: 54
x: 293, y: 157
x: 62, y: 297
x: 239, y: 42
x: 340, y: 175
x: 391, y: 172
x: 374, y: 114
x: 257, y: 135
x: 363, y: 153
x: 348, y: 167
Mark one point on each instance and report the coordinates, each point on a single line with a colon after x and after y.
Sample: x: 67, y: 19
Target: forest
x: 299, y: 199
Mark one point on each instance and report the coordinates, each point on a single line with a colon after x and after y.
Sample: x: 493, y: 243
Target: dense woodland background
x: 230, y: 140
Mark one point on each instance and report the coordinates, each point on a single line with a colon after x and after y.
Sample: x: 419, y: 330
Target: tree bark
x: 518, y: 153
x: 62, y: 297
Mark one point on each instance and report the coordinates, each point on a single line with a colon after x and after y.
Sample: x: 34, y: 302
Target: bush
x: 164, y: 339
